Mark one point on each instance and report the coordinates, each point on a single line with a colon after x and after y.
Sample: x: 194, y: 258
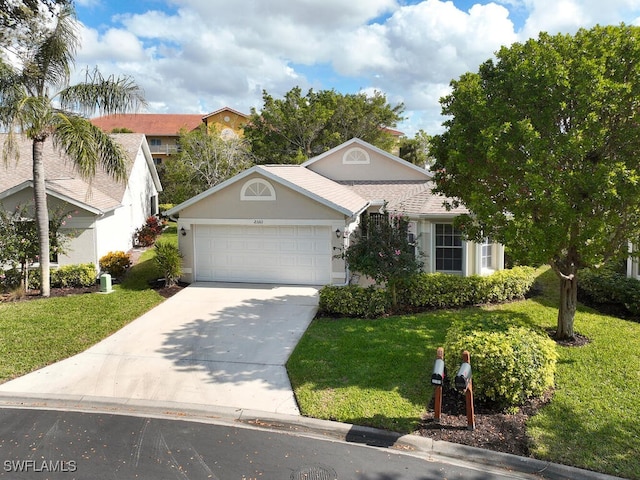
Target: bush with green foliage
x: 607, y: 286
x: 163, y: 207
x: 115, y: 263
x: 510, y: 363
x: 169, y: 261
x: 73, y: 276
x: 426, y: 291
x: 67, y: 276
x: 353, y: 301
x: 439, y: 290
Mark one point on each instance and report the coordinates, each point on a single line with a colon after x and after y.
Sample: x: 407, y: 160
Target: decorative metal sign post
x: 437, y: 379
x: 463, y: 382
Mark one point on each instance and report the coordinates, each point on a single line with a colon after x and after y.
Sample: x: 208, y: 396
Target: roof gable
x: 303, y: 181
x: 357, y: 160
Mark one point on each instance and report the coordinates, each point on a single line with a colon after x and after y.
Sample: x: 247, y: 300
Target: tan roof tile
x: 102, y: 192
x: 319, y: 186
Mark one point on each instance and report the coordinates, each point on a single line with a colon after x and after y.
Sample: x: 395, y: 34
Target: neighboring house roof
x: 159, y: 124
x: 100, y: 194
x: 299, y: 179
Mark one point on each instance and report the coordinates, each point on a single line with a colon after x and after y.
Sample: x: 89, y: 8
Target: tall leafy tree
x: 298, y: 127
x: 542, y: 146
x: 17, y: 13
x: 37, y: 100
x: 205, y: 160
x: 417, y: 150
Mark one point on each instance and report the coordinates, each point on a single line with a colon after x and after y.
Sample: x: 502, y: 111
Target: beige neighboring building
x: 286, y: 223
x: 163, y: 129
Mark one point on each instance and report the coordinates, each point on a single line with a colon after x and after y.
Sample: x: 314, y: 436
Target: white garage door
x: 263, y: 254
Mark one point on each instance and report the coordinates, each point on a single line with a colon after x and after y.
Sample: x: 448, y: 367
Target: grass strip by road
x: 377, y: 373
x: 36, y: 333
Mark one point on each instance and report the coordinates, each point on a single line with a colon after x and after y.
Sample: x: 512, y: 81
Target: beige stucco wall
x: 289, y: 204
x: 379, y: 168
x: 225, y: 207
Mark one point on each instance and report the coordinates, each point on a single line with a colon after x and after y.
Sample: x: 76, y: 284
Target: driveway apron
x: 211, y: 344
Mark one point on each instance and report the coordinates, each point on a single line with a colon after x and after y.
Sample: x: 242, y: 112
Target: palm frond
x: 88, y: 147
x: 51, y: 60
x: 103, y: 95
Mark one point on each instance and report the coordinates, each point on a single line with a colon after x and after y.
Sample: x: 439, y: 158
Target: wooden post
x: 438, y: 394
x: 471, y: 419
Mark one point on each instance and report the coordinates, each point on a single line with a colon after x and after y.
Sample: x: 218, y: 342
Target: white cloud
x: 567, y: 16
x: 205, y: 54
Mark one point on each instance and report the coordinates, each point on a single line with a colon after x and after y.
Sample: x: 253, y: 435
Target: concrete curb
x: 408, y: 444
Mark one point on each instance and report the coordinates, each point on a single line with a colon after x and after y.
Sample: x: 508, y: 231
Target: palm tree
x: 28, y: 107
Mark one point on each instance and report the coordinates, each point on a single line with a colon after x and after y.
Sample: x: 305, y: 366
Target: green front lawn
x: 36, y: 333
x: 377, y: 373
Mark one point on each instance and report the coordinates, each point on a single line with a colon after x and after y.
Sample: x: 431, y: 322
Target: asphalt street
x: 49, y: 444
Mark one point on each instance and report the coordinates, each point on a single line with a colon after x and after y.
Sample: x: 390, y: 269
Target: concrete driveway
x: 210, y: 344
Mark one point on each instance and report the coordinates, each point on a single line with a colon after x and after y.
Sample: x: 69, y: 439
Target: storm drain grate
x: 315, y: 472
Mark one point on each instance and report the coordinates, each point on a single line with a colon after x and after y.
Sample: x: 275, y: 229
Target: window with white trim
x: 448, y: 245
x: 487, y: 253
x: 257, y: 189
x: 355, y: 156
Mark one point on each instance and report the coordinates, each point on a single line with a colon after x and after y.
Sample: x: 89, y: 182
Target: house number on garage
x: 258, y: 221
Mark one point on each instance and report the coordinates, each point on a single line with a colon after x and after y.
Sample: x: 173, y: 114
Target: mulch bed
x: 494, y: 430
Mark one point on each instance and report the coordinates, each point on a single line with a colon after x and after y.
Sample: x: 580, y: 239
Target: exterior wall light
x: 183, y: 232
x: 338, y: 233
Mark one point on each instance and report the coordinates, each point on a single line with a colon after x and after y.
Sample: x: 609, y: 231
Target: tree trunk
x: 568, y: 306
x: 42, y: 214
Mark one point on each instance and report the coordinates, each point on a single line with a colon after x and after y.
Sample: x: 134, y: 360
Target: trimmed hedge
x: 353, y: 301
x: 439, y: 290
x: 510, y: 363
x: 428, y: 291
x: 67, y: 276
x: 606, y: 286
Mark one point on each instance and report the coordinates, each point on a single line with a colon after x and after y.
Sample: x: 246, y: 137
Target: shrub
x: 510, y: 362
x: 606, y: 286
x: 74, y: 276
x: 163, y: 207
x: 169, y: 261
x: 115, y: 263
x: 353, y: 301
x: 147, y: 234
x: 439, y: 290
x: 10, y: 279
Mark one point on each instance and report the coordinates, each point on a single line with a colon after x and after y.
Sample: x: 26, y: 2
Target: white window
x: 487, y: 253
x: 448, y: 249
x: 356, y: 156
x: 257, y: 190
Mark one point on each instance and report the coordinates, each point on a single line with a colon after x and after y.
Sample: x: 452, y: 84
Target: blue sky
x: 196, y: 56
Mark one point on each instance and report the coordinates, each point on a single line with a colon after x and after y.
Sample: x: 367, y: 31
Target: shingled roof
x: 100, y: 194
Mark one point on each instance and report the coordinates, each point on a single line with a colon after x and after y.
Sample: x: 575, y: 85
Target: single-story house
x: 287, y: 223
x: 104, y: 213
